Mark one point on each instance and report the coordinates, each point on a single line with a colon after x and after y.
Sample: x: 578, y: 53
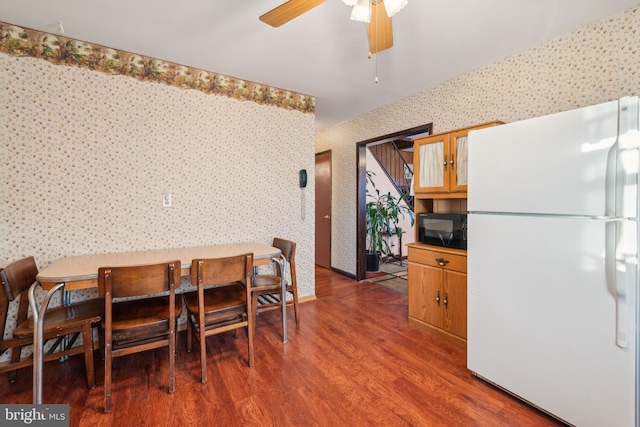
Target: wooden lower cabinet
x: 438, y: 292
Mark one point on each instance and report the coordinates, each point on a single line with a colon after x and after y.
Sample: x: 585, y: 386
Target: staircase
x: 396, y: 159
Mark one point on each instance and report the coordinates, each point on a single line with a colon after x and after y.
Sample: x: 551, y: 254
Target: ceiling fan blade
x: 287, y: 11
x: 379, y: 29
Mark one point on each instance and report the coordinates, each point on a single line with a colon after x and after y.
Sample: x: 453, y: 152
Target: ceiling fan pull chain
x: 376, y: 79
x: 377, y: 36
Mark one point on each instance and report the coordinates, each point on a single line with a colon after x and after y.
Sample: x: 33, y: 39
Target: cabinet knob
x: 451, y: 161
x: 445, y: 163
x: 442, y: 262
x: 438, y: 299
x: 446, y: 300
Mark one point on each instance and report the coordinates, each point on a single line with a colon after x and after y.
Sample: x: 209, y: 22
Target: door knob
x: 327, y: 217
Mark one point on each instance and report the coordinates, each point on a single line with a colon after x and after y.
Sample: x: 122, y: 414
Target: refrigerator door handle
x: 619, y: 279
x: 621, y: 202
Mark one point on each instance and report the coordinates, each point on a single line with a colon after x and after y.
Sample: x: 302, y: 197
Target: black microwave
x: 443, y: 229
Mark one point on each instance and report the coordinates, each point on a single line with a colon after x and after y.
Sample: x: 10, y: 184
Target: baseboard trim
x: 344, y: 273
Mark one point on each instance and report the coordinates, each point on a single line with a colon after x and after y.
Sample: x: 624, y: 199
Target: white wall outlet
x: 166, y: 200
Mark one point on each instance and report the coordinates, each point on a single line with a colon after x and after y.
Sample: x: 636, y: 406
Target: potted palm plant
x: 383, y: 212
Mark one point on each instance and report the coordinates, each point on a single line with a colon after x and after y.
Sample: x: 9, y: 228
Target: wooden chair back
x: 288, y: 249
x: 18, y: 276
x: 221, y: 270
x: 138, y: 280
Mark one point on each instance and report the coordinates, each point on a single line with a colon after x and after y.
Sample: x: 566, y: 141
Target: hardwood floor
x: 352, y: 361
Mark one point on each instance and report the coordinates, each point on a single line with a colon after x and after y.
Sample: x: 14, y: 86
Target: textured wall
x: 596, y: 63
x: 87, y: 156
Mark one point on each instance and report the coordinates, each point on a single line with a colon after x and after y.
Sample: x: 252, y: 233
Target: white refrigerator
x: 553, y: 262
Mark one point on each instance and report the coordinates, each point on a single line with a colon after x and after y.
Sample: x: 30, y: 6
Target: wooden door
x: 455, y: 309
x: 425, y: 297
x: 323, y: 184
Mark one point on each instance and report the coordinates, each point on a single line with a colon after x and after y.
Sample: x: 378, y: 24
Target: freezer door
x: 542, y: 318
x: 555, y: 164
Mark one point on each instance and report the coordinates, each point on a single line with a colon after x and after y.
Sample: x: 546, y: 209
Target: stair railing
x: 393, y: 163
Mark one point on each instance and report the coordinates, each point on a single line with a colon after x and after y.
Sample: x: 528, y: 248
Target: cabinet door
x: 426, y: 296
x: 431, y: 164
x: 455, y: 303
x: 458, y: 161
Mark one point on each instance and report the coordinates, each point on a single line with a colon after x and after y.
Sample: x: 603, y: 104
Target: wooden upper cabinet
x: 458, y: 160
x: 440, y: 163
x: 431, y: 164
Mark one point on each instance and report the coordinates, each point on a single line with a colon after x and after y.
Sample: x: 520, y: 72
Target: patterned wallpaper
x: 597, y: 63
x: 88, y: 155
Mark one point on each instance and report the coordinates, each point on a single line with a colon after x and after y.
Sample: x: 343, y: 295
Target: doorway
x: 323, y: 209
x: 361, y: 185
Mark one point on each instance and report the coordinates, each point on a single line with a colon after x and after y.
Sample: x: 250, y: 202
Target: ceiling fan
x: 375, y: 13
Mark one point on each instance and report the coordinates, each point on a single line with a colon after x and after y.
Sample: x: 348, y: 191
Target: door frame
x: 330, y: 153
x: 361, y: 193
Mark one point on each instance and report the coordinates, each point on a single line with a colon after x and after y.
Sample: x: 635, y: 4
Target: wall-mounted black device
x: 303, y: 178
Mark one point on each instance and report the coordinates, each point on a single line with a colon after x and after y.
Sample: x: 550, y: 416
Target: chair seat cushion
x: 65, y: 317
x: 226, y: 301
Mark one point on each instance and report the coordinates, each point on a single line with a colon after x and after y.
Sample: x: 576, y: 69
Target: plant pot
x: 373, y: 261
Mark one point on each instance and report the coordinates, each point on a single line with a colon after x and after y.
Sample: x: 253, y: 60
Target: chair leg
x: 100, y: 339
x: 87, y: 341
x: 177, y: 341
x: 107, y: 378
x: 251, y: 320
x: 15, y: 357
x: 203, y: 352
x: 172, y: 362
x: 189, y: 333
x: 253, y: 315
x: 295, y: 304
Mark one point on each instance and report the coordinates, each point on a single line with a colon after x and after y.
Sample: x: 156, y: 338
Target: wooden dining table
x: 81, y: 272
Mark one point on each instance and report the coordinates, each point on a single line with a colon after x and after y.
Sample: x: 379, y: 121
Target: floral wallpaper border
x: 18, y: 41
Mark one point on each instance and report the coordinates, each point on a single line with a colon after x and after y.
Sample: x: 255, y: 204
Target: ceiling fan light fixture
x: 361, y: 11
x: 394, y: 6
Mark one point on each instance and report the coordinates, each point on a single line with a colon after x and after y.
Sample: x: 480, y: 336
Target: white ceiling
x: 321, y: 53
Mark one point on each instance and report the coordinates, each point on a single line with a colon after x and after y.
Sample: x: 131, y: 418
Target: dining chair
x: 66, y: 321
x: 221, y: 303
x: 134, y: 321
x: 266, y: 289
